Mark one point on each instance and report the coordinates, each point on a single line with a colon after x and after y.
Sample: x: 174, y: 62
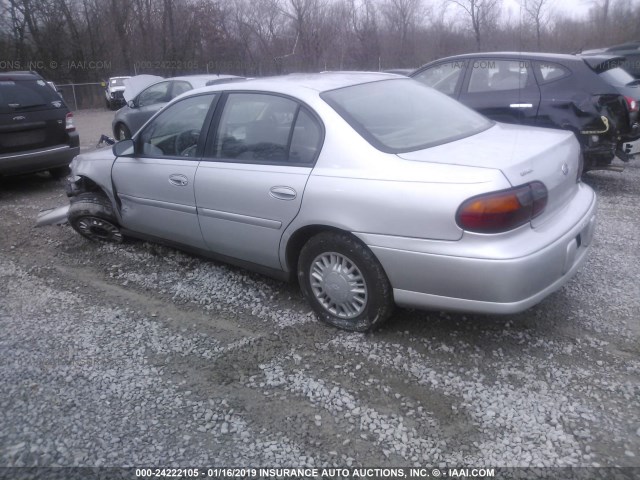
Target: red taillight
x: 502, y: 211
x: 69, y: 122
x: 632, y: 104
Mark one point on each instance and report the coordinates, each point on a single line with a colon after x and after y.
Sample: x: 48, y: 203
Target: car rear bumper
x: 40, y: 159
x: 491, y: 275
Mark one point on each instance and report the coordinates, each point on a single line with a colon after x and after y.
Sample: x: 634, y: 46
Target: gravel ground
x: 138, y: 354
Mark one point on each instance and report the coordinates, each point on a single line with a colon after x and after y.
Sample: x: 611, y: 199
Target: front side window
x: 176, y: 131
x: 179, y: 87
x: 443, y: 77
x: 255, y: 127
x: 403, y: 115
x: 497, y: 75
x: 158, y: 93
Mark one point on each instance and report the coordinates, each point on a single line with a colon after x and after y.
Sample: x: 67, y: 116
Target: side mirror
x: 131, y: 104
x: 124, y: 148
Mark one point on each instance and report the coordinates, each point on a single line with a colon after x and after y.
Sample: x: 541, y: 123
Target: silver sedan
x: 370, y: 189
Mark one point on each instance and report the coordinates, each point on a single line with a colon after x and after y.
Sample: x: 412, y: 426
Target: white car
x: 114, y: 91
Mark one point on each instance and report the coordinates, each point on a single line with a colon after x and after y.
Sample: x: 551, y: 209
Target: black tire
x: 357, y: 311
x: 121, y: 132
x: 91, y: 215
x: 59, y: 172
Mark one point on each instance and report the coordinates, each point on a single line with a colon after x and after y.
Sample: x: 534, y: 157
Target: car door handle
x: 178, y: 180
x: 521, y: 105
x: 283, y: 193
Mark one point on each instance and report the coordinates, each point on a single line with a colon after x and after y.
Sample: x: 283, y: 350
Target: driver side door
x: 155, y: 187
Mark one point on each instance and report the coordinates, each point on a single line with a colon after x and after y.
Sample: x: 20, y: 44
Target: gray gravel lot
x: 139, y: 354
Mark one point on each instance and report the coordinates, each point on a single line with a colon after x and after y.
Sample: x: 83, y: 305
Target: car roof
x: 594, y: 61
x: 299, y: 83
x: 566, y: 57
x: 625, y: 46
x: 21, y: 75
x: 199, y: 78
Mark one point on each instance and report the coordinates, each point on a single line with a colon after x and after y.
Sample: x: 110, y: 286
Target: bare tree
x: 363, y: 24
x: 482, y: 13
x: 403, y: 17
x: 537, y: 11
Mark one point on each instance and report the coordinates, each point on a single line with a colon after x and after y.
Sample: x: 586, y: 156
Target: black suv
x: 545, y: 90
x: 36, y: 127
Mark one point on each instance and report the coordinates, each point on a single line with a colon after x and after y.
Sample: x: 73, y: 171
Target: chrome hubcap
x: 99, y: 229
x: 338, y: 285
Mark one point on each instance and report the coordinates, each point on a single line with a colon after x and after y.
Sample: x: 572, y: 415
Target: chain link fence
x: 79, y: 96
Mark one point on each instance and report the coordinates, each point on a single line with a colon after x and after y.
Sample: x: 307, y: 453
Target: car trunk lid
x: 522, y: 154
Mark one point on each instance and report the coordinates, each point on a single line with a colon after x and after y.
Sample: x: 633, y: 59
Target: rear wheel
x: 91, y: 215
x: 122, y: 132
x: 344, y: 282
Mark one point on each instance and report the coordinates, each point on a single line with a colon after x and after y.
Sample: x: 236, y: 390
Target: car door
x: 250, y: 183
x: 445, y: 77
x: 503, y: 89
x: 155, y: 187
x: 147, y: 103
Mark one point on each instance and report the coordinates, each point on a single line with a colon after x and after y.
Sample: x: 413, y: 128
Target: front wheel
x: 91, y: 215
x: 344, y: 282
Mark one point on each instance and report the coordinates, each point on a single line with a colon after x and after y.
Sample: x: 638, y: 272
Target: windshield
x: 17, y: 95
x: 617, y: 76
x: 402, y: 115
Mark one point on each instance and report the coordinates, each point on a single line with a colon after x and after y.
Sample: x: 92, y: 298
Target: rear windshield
x: 19, y: 95
x: 617, y: 76
x: 402, y: 115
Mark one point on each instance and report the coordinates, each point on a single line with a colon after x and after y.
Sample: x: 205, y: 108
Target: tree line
x: 89, y: 40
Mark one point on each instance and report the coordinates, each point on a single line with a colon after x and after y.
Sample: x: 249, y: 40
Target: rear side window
x: 443, y: 77
x: 264, y: 128
x: 548, y: 72
x: 24, y: 95
x: 404, y: 115
x: 306, y: 139
x: 498, y: 75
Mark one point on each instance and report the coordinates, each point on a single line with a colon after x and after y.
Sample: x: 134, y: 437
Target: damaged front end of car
x: 90, y: 176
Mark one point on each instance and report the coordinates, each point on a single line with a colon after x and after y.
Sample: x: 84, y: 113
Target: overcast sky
x: 572, y: 8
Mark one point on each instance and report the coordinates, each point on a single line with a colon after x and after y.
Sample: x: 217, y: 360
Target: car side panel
x: 154, y: 205
x: 244, y: 208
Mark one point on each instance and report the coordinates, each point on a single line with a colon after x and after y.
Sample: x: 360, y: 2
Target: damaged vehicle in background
x: 370, y: 189
x: 545, y: 90
x: 630, y: 51
x: 146, y: 94
x: 113, y: 92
